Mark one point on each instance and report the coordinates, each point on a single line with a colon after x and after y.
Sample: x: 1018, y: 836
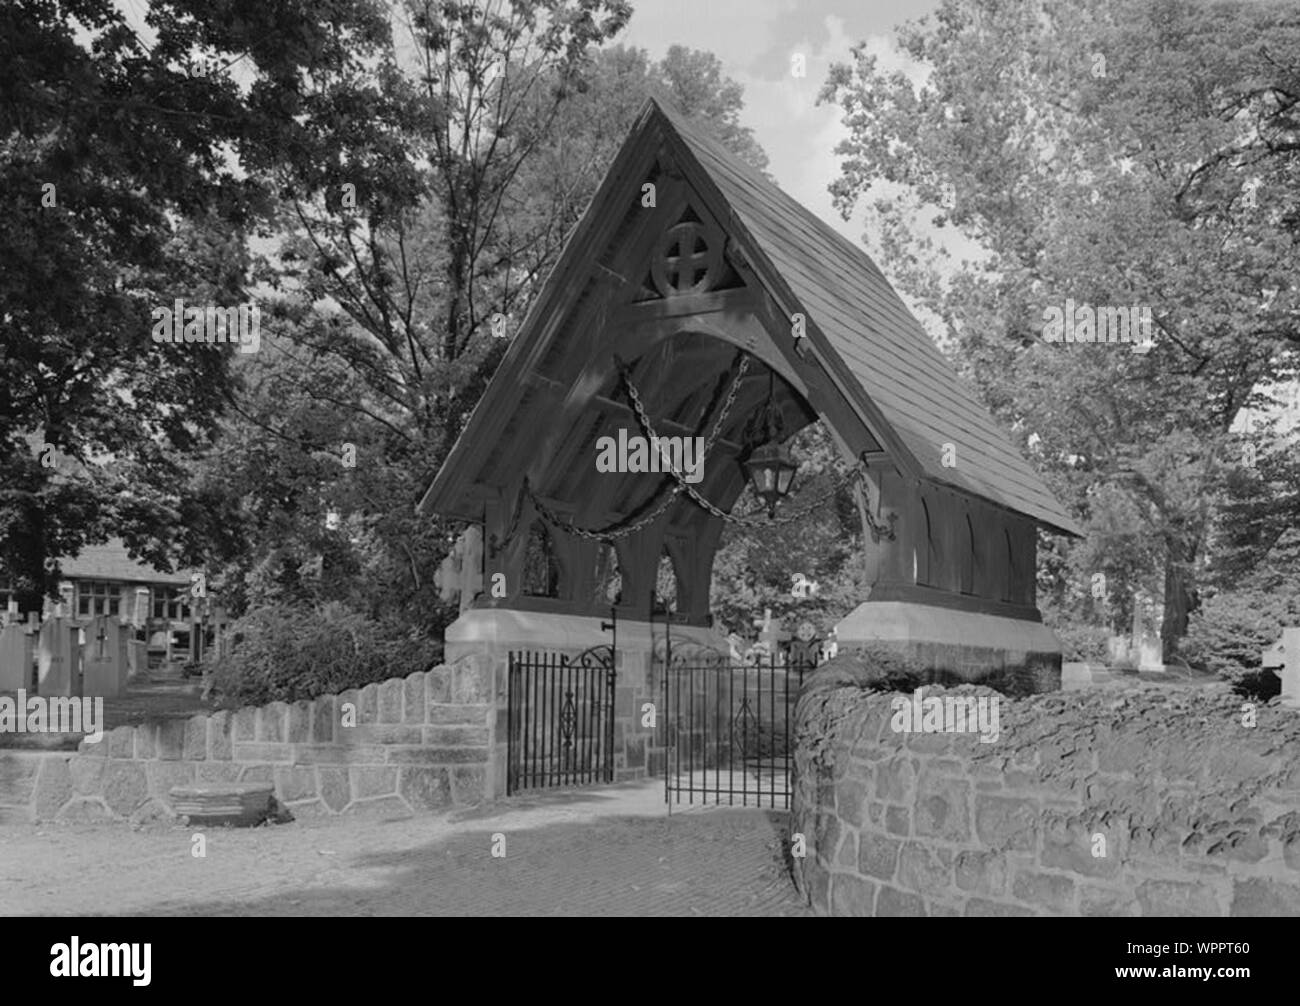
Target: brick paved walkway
x: 593, y: 852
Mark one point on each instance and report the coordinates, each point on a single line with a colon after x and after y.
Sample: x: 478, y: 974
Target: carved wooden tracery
x: 687, y: 259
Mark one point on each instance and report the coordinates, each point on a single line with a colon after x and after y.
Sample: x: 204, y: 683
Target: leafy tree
x: 364, y: 295
x: 136, y: 169
x: 1235, y: 624
x: 754, y: 568
x: 1116, y: 154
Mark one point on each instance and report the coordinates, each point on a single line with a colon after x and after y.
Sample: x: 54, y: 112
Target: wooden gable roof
x: 876, y: 353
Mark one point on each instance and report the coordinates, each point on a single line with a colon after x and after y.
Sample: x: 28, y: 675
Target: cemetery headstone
x: 137, y: 658
x: 15, y: 657
x: 140, y: 610
x: 1146, y: 634
x: 104, y: 658
x: 830, y: 646
x: 1283, y: 659
x: 56, y: 658
x: 806, y: 647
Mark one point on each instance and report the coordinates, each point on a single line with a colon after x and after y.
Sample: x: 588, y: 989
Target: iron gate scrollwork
x: 560, y: 719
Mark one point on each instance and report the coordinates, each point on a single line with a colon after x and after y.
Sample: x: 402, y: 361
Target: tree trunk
x: 31, y: 578
x: 1179, y: 597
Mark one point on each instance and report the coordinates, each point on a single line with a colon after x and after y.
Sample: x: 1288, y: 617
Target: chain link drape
x: 615, y: 532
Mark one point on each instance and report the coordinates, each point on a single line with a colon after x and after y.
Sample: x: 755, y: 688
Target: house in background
x: 105, y: 580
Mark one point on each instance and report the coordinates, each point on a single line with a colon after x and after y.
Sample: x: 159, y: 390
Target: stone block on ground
x: 238, y: 803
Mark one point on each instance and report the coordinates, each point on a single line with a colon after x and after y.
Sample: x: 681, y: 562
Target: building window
x: 98, y: 597
x: 168, y: 603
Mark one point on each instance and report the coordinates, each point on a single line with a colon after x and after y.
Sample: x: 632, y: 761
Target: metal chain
x: 614, y: 532
x: 747, y: 520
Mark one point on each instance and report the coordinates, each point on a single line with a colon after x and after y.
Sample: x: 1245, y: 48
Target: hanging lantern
x: 769, y: 465
x: 770, y: 468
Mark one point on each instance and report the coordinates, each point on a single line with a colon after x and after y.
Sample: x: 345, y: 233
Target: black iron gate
x: 561, y: 719
x: 728, y: 730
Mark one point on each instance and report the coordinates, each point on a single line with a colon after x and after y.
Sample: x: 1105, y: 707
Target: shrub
x: 1231, y: 628
x: 874, y: 666
x: 1082, y: 641
x: 290, y: 652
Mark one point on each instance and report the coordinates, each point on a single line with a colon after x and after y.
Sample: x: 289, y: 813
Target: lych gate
x: 696, y: 300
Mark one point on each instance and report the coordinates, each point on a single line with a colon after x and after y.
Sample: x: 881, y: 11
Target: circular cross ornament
x: 686, y: 260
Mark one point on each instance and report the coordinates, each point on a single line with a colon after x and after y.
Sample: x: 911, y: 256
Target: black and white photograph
x: 651, y: 458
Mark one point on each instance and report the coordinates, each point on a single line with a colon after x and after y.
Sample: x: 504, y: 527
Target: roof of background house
x: 110, y: 561
x: 883, y: 345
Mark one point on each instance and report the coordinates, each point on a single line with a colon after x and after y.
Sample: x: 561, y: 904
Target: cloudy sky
x: 755, y: 40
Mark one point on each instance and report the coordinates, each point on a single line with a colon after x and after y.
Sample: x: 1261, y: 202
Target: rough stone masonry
x: 419, y: 743
x: 1118, y: 803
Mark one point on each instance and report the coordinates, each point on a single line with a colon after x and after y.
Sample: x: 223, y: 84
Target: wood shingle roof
x: 884, y: 346
x: 865, y: 339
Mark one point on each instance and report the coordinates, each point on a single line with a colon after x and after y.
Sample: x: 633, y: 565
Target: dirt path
x: 608, y: 852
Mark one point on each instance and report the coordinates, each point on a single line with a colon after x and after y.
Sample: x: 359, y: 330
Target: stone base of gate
x: 1011, y: 654
x: 481, y: 639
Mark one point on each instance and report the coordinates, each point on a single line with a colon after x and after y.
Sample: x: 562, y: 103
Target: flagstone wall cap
x: 222, y: 789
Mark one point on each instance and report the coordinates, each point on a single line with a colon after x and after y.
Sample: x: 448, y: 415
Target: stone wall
x: 419, y: 743
x: 1143, y: 801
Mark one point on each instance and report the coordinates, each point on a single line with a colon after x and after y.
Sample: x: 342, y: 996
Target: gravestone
x: 1283, y: 659
x: 805, y: 648
x: 57, y: 658
x: 831, y: 645
x: 140, y: 607
x: 1147, y: 647
x: 15, y: 657
x: 104, y: 658
x: 137, y: 658
x: 770, y: 632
